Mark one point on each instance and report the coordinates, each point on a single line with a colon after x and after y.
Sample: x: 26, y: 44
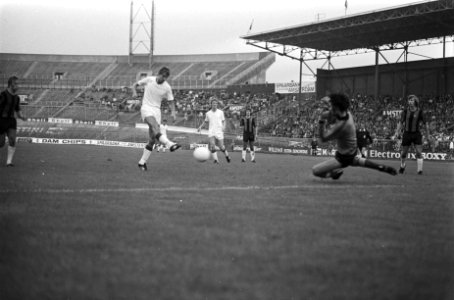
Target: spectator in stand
x: 9, y: 108
x: 411, y: 119
x: 156, y: 90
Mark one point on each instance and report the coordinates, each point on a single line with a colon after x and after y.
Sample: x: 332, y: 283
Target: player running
x: 156, y: 90
x: 216, y: 126
x: 344, y: 132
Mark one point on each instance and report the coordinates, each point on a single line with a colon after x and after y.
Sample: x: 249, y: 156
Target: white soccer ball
x: 202, y: 154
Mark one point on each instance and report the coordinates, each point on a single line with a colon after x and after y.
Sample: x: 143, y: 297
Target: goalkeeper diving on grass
x: 336, y: 123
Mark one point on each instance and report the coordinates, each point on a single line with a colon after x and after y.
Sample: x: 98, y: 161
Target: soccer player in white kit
x: 216, y: 126
x: 156, y: 89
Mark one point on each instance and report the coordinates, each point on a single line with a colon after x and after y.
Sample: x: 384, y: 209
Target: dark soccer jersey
x: 363, y: 137
x: 411, y: 120
x: 248, y: 125
x: 314, y: 144
x: 8, y: 104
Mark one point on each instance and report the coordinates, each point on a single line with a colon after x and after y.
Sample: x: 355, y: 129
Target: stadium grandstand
x: 79, y: 220
x: 208, y: 71
x: 377, y: 91
x: 89, y: 88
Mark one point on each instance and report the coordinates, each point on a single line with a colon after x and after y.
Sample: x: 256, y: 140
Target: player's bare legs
x: 224, y: 150
x: 152, y: 129
x: 329, y: 168
x: 251, y: 147
x: 419, y: 159
x: 154, y: 135
x: 367, y: 163
x: 403, y: 157
x: 212, y: 147
x: 333, y: 168
x: 11, y: 134
x: 2, y: 140
x: 243, y: 153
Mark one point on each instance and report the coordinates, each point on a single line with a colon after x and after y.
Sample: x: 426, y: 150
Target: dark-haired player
x: 411, y: 118
x: 314, y: 145
x: 9, y: 106
x: 249, y: 134
x: 156, y: 89
x: 363, y: 138
x: 344, y: 132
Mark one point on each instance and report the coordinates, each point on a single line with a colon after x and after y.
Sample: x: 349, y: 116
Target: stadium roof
x: 419, y: 21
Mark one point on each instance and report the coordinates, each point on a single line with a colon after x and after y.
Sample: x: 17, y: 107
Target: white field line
x: 200, y: 189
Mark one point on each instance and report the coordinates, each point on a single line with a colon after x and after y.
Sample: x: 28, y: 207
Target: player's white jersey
x: 154, y: 93
x: 215, y: 120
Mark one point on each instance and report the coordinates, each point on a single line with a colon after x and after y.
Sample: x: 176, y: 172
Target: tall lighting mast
x: 141, y: 30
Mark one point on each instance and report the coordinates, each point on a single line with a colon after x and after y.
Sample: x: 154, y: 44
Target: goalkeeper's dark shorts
x: 409, y: 138
x: 248, y: 137
x: 6, y: 124
x: 345, y: 159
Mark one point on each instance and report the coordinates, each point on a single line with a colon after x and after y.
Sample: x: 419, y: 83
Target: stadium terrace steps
x: 12, y: 67
x: 80, y: 71
x: 30, y: 69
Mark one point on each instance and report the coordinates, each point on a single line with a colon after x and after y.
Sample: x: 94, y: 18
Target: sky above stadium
x: 100, y: 27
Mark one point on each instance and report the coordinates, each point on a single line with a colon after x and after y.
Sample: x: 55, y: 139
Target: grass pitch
x: 83, y: 222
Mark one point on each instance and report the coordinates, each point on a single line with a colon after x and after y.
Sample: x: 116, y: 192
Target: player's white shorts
x: 216, y: 135
x: 151, y: 111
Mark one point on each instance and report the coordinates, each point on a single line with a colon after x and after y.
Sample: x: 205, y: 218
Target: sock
x: 364, y: 162
x: 145, y: 156
x: 215, y: 155
x: 252, y: 155
x: 165, y: 141
x: 11, y: 151
x: 402, y: 163
x: 243, y: 154
x: 226, y: 152
x: 419, y: 163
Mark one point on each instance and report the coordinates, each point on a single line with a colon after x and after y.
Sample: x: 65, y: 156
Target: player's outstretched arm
x: 173, y: 112
x: 396, y: 134
x: 19, y: 114
x: 134, y: 88
x: 427, y: 131
x: 201, y: 126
